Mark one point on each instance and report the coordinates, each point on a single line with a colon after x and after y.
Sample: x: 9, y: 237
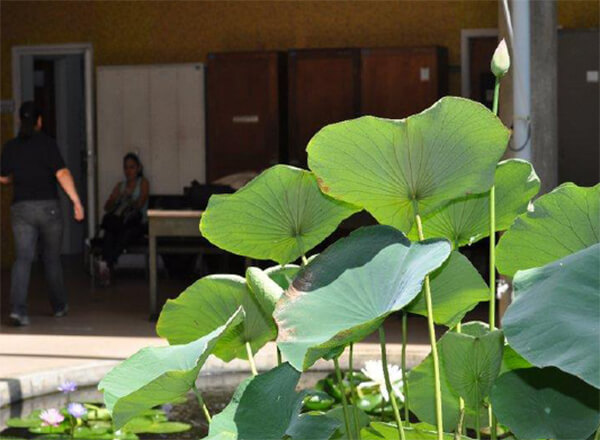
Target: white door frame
x: 87, y: 51
x: 465, y: 55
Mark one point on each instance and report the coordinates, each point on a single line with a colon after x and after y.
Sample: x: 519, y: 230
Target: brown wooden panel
x: 323, y: 88
x: 243, y: 112
x: 398, y: 82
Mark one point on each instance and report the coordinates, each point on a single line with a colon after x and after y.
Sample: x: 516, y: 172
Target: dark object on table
x: 197, y: 195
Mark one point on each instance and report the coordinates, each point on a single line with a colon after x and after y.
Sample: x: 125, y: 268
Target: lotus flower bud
x: 501, y: 60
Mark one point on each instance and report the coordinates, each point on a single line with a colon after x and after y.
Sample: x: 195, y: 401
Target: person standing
x: 32, y: 163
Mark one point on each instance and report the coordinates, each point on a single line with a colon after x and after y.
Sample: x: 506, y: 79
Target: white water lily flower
x: 374, y: 371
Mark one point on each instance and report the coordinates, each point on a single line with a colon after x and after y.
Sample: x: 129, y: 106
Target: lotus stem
x: 492, y: 419
x: 202, y: 404
x: 278, y: 356
x: 432, y: 340
x: 388, y: 383
x: 597, y: 436
x: 404, y: 378
x: 461, y: 401
x: 338, y: 374
x: 304, y: 260
x: 251, y: 359
x: 353, y: 390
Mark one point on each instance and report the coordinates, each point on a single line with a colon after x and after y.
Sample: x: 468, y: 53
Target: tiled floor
x: 104, y: 324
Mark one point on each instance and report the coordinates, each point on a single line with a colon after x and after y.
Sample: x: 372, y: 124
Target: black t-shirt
x: 33, y: 163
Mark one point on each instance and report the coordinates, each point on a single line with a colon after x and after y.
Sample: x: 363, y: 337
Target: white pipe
x: 521, y: 43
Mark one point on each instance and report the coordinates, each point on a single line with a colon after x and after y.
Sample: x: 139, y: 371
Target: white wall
x: 156, y: 111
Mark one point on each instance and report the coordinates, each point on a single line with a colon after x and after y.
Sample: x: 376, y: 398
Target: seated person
x: 126, y: 218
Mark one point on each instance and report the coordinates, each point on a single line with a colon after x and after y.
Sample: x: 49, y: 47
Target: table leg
x: 152, y: 266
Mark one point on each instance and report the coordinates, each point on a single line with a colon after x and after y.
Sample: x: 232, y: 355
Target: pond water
x: 216, y: 389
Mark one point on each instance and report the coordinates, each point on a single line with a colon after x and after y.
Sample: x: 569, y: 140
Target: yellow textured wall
x: 172, y: 32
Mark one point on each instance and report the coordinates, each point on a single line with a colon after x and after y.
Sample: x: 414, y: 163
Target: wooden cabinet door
x: 398, y: 82
x: 243, y: 112
x: 322, y: 88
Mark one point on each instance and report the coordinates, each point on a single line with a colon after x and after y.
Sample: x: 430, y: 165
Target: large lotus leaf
x: 280, y: 215
x: 511, y: 360
x: 562, y: 222
x: 267, y: 407
x: 472, y: 363
x: 283, y: 274
x: 357, y: 419
x: 208, y: 303
x: 555, y: 317
x: 421, y: 388
x: 157, y: 375
x: 346, y: 292
x: 546, y: 403
x: 394, y: 168
x: 456, y: 288
x: 467, y: 220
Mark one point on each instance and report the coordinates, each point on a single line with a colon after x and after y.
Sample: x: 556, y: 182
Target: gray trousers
x: 33, y: 219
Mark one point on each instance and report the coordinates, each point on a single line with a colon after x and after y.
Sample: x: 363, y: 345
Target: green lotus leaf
x: 346, y: 292
x: 155, y: 375
x: 397, y: 168
x: 284, y: 275
x: 280, y: 215
x: 354, y: 412
x: 421, y: 387
x: 466, y: 220
x: 265, y: 290
x: 388, y: 431
x: 546, y: 403
x: 267, y: 407
x: 511, y: 360
x: 562, y: 222
x: 205, y: 305
x: 456, y: 288
x: 472, y: 363
x: 555, y: 317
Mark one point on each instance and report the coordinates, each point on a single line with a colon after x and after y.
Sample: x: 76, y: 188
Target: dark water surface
x: 216, y: 390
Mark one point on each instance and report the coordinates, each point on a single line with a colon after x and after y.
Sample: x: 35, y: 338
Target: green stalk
x: 338, y: 374
x: 353, y: 393
x: 388, y: 383
x: 492, y: 419
x: 202, y: 404
x: 251, y: 359
x: 597, y: 436
x: 461, y: 402
x: 432, y: 340
x: 404, y: 378
x: 278, y: 356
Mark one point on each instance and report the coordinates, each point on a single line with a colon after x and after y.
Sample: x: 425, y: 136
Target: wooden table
x: 165, y: 223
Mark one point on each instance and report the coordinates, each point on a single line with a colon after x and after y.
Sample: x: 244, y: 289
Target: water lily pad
x: 546, y: 403
x: 555, y: 317
x: 346, y: 292
x: 394, y: 168
x: 280, y: 215
x: 267, y: 407
x: 155, y: 375
x: 205, y: 305
x: 388, y: 431
x: 562, y: 222
x: 456, y: 288
x: 466, y: 220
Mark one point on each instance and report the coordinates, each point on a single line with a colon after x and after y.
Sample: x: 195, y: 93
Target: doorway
x: 59, y: 79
